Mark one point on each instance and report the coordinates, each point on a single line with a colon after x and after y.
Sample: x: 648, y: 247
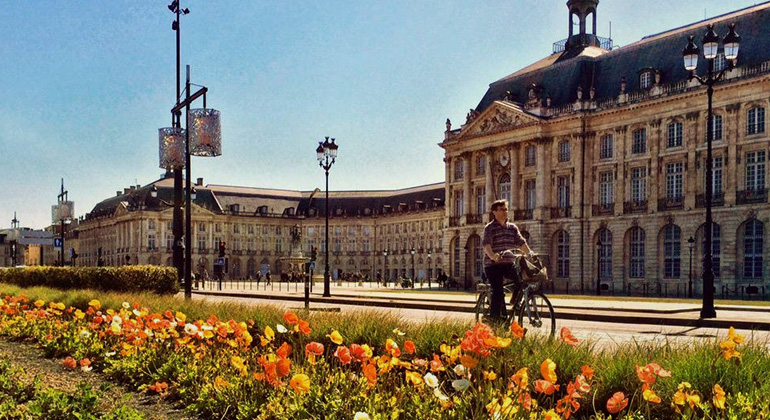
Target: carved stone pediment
x: 501, y: 116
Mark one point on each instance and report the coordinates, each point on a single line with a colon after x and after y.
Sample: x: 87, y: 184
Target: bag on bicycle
x: 532, y: 270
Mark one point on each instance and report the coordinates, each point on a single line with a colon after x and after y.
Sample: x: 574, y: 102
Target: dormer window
x: 645, y: 79
x: 262, y: 210
x: 367, y: 211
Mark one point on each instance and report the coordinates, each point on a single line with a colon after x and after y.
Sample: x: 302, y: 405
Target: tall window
x: 478, y: 260
x: 605, y: 147
x: 639, y: 141
x: 505, y: 188
x: 636, y: 262
x: 755, y: 170
x: 529, y: 188
x: 201, y: 243
x: 672, y: 249
x: 562, y: 191
x: 716, y: 247
x: 151, y: 241
x: 565, y: 152
x: 716, y: 174
x: 481, y: 164
x: 605, y: 253
x: 716, y: 128
x: 675, y: 134
x: 562, y: 254
x: 456, y: 262
x: 606, y: 180
x: 755, y: 120
x: 481, y: 200
x: 674, y: 181
x: 639, y: 184
x: 459, y: 207
x: 459, y: 169
x: 753, y: 237
x: 529, y: 156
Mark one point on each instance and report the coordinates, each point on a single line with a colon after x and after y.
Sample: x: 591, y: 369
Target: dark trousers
x: 496, y: 274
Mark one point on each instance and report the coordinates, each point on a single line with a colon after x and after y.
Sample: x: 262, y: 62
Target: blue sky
x: 87, y: 84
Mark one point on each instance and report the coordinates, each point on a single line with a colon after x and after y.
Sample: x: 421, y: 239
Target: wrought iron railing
x: 752, y: 196
x: 635, y: 206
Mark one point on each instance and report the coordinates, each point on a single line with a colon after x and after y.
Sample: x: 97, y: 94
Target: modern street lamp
x: 414, y: 274
x: 327, y: 155
x: 731, y: 43
x: 598, y: 267
x: 385, y: 269
x: 62, y: 213
x: 14, y: 242
x: 690, y: 243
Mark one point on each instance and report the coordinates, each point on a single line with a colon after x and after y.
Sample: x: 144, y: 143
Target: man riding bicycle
x: 500, y: 235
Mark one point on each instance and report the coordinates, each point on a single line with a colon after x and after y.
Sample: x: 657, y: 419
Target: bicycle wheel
x: 482, y: 306
x: 538, y: 314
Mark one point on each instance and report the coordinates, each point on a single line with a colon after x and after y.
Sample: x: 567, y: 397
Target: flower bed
x: 239, y: 369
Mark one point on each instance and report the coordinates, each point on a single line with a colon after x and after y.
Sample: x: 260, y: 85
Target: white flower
x: 190, y: 329
x: 460, y: 384
x: 136, y: 312
x: 431, y: 380
x: 126, y: 305
x: 109, y: 354
x: 85, y: 333
x: 281, y: 329
x: 86, y: 368
x: 117, y: 320
x: 459, y: 370
x: 361, y: 416
x: 440, y: 395
x: 398, y: 332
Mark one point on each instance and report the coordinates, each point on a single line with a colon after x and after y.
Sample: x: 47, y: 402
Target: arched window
x: 753, y: 236
x: 505, y: 188
x: 716, y: 247
x: 562, y: 254
x: 672, y: 251
x: 605, y: 253
x: 636, y: 257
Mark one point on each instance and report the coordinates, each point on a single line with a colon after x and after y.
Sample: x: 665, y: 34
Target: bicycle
x: 528, y: 304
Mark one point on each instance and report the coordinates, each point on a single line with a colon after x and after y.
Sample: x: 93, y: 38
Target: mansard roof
x: 266, y: 202
x: 559, y: 76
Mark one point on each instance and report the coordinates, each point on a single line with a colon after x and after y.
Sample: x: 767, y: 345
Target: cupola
x: 579, y: 11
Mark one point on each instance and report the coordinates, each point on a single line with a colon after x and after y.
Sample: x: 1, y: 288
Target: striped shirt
x: 501, y: 238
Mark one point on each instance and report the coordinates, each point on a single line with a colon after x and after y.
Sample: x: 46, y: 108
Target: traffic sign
x: 312, y: 265
x: 58, y: 242
x: 220, y: 261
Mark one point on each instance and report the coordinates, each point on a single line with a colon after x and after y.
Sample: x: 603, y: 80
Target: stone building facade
x: 601, y: 153
x: 133, y: 227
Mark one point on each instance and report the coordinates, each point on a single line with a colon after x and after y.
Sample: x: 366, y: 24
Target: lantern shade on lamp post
x: 326, y: 153
x: 690, y: 55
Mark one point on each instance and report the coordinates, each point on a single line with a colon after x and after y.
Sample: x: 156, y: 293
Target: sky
x: 87, y: 83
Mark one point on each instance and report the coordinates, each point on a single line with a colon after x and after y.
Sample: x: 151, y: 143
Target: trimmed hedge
x: 129, y: 278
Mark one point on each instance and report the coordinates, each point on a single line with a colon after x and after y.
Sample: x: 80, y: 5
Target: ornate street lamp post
x: 690, y: 243
x: 429, y: 270
x: 414, y: 274
x: 327, y: 155
x: 385, y: 271
x: 14, y: 242
x: 731, y: 43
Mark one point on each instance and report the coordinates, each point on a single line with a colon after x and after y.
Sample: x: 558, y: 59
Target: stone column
x: 691, y: 141
x: 514, y: 172
x: 657, y: 180
x: 466, y: 160
x: 489, y: 184
x: 447, y: 191
x: 542, y: 184
x: 731, y: 133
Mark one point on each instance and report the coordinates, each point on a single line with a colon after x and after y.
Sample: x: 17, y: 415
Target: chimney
x: 117, y: 193
x: 126, y: 190
x: 199, y: 183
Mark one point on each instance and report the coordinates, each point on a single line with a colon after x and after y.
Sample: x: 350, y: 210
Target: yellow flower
x: 95, y: 304
x: 732, y: 336
x: 269, y: 333
x: 728, y: 350
x: 237, y: 363
x: 649, y: 394
x: 367, y: 350
x: 335, y: 337
x: 180, y: 317
x: 398, y: 332
x: 220, y: 382
x: 300, y: 383
x: 414, y: 378
x: 551, y: 415
x: 39, y: 303
x: 719, y: 397
x: 503, y: 342
x: 548, y: 370
x: 490, y: 376
x: 79, y: 314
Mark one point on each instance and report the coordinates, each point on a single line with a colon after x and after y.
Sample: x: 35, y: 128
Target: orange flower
x: 436, y: 365
x: 617, y: 403
x: 291, y: 318
x: 370, y: 372
x: 409, y: 347
x: 587, y: 372
x: 284, y: 350
x: 650, y: 372
x: 728, y: 350
x: 300, y: 383
x: 315, y: 348
x: 69, y: 363
x: 358, y: 352
x: 735, y: 338
x: 343, y: 354
x: 545, y: 387
x: 282, y: 367
x: 548, y: 370
x: 159, y: 387
x: 468, y: 361
x: 392, y: 348
x: 521, y: 378
x: 517, y: 331
x: 581, y: 384
x: 719, y: 397
x: 566, y: 336
x: 304, y: 327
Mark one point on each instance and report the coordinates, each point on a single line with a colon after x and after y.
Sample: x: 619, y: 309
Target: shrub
x: 134, y: 278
